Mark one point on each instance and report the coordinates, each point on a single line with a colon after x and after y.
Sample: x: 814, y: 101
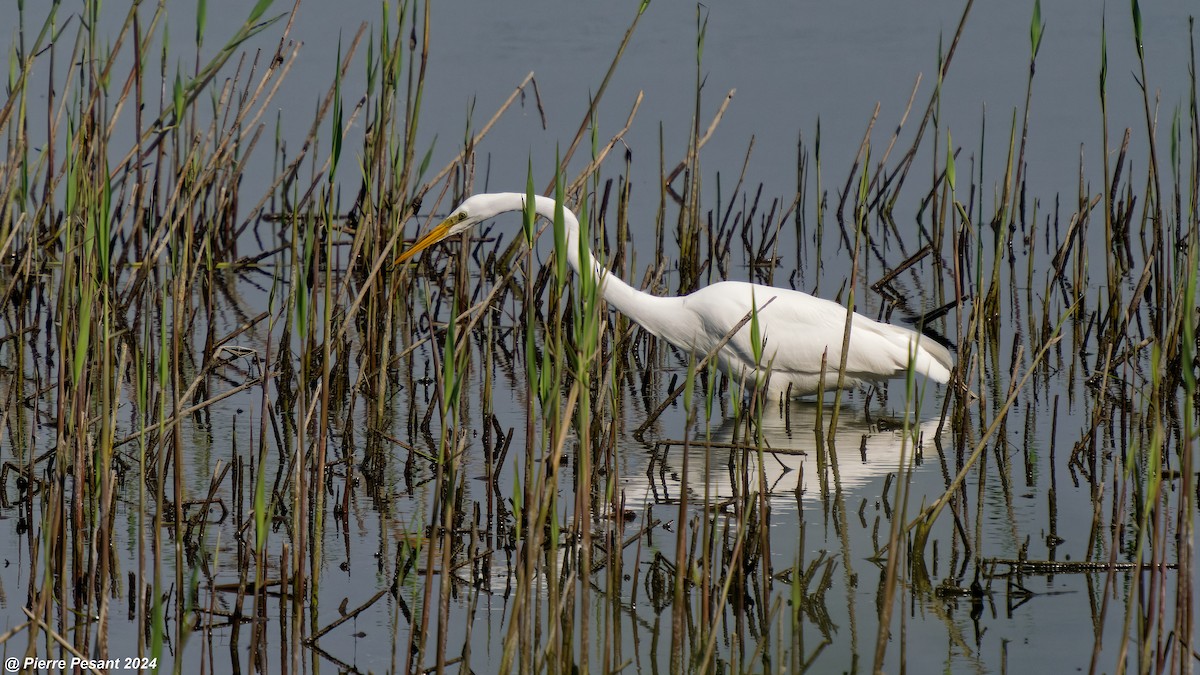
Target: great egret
x: 798, y: 329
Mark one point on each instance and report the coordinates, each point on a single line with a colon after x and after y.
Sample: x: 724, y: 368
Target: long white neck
x: 641, y: 307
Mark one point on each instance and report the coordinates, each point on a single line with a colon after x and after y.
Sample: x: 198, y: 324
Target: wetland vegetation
x: 234, y: 435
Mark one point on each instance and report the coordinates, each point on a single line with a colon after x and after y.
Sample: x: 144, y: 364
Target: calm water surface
x: 793, y: 66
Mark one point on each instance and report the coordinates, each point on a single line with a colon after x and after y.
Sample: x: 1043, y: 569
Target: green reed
x: 125, y: 256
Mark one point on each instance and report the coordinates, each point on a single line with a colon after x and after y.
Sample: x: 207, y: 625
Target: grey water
x: 790, y: 67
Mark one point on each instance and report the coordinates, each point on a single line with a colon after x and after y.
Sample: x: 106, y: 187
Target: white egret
x: 797, y: 329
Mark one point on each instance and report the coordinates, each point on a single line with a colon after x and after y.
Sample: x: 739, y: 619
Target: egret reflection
x: 794, y: 461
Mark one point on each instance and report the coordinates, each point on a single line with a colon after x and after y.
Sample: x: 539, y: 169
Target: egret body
x: 798, y: 330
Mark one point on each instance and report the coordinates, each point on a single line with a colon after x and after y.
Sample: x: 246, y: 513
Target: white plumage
x: 796, y: 328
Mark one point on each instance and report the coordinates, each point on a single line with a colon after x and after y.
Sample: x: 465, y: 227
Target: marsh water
x: 798, y: 516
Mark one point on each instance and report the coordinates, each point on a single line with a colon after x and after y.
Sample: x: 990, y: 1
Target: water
x: 791, y: 64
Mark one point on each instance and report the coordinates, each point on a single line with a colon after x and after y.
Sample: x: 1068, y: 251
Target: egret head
x: 470, y: 213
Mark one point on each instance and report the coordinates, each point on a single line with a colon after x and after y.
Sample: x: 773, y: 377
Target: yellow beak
x: 432, y: 237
